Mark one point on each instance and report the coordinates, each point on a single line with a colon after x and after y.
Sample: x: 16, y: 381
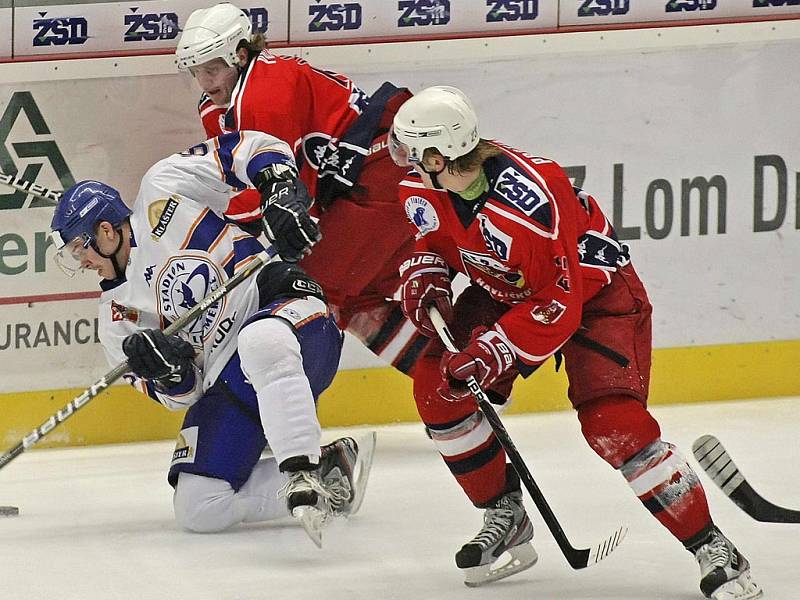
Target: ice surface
x: 97, y: 523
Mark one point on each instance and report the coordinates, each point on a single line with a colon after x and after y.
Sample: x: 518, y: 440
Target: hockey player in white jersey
x: 251, y: 367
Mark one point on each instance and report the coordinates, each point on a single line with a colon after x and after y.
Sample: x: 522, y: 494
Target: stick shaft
x: 577, y: 558
x: 117, y: 372
x: 34, y: 189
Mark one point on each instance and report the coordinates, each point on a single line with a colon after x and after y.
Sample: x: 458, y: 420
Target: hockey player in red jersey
x: 547, y: 277
x: 338, y: 134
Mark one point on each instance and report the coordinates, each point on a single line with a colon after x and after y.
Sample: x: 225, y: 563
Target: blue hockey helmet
x: 77, y: 214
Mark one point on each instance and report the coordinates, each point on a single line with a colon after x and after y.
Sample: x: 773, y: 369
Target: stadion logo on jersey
x: 334, y: 17
x: 150, y: 26
x: 183, y: 282
x: 768, y: 3
x: 690, y: 5
x: 603, y: 8
x: 512, y: 10
x: 259, y: 17
x: 423, y: 12
x: 421, y: 212
x: 59, y: 31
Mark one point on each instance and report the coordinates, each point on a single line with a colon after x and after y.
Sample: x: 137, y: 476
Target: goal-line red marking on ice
x: 49, y: 297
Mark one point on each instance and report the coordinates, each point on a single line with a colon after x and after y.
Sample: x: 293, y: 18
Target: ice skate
x: 724, y: 572
x: 506, y: 528
x: 344, y: 469
x: 308, y: 501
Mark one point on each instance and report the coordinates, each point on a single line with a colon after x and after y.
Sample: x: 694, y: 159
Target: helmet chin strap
x: 434, y: 175
x: 113, y: 255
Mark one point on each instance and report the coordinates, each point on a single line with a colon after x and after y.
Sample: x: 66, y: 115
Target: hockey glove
x: 425, y: 283
x: 284, y: 212
x: 164, y: 359
x: 486, y: 357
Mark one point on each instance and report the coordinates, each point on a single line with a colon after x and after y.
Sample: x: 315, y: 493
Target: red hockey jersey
x: 532, y: 241
x: 308, y: 108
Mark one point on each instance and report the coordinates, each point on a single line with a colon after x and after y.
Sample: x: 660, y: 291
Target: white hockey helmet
x: 440, y: 117
x: 211, y: 33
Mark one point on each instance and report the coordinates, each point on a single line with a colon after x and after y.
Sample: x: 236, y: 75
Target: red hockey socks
x: 624, y: 434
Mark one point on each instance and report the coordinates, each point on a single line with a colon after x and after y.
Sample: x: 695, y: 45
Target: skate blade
x: 366, y: 452
x: 522, y: 557
x: 313, y: 521
x: 741, y: 588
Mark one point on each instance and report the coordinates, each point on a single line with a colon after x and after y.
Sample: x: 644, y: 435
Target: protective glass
x: 70, y: 256
x: 401, y: 154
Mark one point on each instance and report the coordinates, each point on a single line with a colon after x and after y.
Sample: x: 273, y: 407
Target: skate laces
x: 303, y: 481
x: 496, y: 524
x: 715, y: 553
x: 338, y: 487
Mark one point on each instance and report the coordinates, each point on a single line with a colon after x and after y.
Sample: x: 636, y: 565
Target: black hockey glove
x: 284, y: 211
x: 164, y: 359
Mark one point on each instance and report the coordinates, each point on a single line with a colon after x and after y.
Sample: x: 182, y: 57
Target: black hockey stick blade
x: 716, y: 461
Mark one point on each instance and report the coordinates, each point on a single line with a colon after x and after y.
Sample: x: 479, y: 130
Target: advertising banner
x: 596, y: 12
x: 122, y: 26
x: 48, y: 135
x: 312, y: 20
x: 690, y: 151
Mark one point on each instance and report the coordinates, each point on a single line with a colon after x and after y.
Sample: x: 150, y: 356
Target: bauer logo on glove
x: 486, y: 358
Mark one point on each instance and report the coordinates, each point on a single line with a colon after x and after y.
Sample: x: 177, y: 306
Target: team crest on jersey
x: 123, y: 313
x: 160, y: 213
x: 183, y: 282
x: 548, y: 314
x: 421, y: 212
x: 186, y: 446
x: 486, y: 263
x: 315, y: 148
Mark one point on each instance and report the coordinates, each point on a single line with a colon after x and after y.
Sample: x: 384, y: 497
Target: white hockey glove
x: 165, y: 360
x: 284, y: 210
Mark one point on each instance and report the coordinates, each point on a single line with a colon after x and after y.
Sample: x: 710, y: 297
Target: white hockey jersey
x: 182, y: 248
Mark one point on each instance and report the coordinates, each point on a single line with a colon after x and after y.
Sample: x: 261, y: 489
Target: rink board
x: 710, y: 210
x: 382, y: 395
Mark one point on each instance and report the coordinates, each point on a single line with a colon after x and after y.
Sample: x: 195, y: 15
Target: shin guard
x: 625, y: 435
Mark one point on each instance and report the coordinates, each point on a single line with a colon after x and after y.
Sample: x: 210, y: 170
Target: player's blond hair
x: 471, y: 160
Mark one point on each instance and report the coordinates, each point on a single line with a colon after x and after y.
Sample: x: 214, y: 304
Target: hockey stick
x: 34, y: 189
x: 716, y: 461
x: 577, y: 558
x: 114, y: 374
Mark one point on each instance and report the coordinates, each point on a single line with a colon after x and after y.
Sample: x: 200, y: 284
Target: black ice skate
x: 724, y: 572
x: 344, y: 468
x: 506, y: 528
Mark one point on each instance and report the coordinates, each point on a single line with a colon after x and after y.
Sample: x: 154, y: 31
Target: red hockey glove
x: 486, y: 357
x: 426, y: 283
